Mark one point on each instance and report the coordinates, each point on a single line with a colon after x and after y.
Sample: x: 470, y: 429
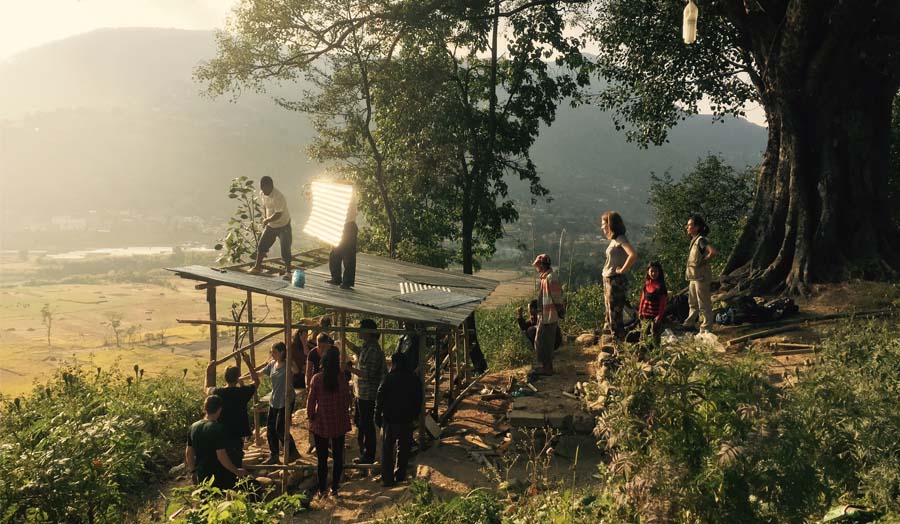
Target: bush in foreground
x: 89, y: 445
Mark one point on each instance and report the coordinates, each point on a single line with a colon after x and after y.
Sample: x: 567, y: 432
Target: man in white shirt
x: 277, y: 224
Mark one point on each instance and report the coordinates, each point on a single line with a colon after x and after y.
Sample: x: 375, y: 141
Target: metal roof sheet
x: 375, y: 292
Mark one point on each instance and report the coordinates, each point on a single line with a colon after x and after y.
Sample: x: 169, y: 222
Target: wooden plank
x: 422, y: 357
x: 288, y: 386
x: 213, y: 335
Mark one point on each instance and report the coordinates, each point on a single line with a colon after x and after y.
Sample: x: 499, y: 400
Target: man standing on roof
x: 345, y: 252
x: 277, y: 224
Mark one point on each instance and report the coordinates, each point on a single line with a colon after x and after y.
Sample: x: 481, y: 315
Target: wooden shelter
x: 437, y: 303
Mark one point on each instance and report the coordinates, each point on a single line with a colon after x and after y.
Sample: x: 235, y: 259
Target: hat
x: 542, y: 259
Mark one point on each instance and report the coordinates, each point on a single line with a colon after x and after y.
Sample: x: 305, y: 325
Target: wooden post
x: 422, y: 360
x: 454, y: 366
x: 437, y: 378
x: 342, y: 333
x: 213, y: 334
x: 467, y: 345
x: 251, y: 334
x: 288, y: 386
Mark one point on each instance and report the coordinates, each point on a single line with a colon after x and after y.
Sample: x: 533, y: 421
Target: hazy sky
x: 29, y: 23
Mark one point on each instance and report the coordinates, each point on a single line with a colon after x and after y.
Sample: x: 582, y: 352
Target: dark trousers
x: 234, y: 447
x: 365, y: 429
x: 337, y: 457
x: 285, y: 236
x: 275, y: 432
x: 399, y: 436
x: 344, y: 253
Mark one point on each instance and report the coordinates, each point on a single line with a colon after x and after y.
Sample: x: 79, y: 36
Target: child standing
x: 652, y: 308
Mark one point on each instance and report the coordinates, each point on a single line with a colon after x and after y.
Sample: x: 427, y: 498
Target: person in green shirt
x: 206, y: 451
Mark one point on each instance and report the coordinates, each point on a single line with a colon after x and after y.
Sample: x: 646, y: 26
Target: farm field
x: 81, y: 329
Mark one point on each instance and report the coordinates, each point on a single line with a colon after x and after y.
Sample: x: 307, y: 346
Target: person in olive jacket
x: 397, y: 405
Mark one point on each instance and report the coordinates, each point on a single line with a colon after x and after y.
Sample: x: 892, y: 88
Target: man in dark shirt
x: 397, y: 405
x: 409, y: 346
x: 234, y: 409
x: 205, y: 451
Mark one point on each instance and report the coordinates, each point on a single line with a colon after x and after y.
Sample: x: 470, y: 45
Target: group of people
x: 542, y: 327
x: 276, y: 223
x: 390, y: 399
x: 621, y: 256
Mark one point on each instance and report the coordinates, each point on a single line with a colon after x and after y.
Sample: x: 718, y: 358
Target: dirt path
x: 447, y: 464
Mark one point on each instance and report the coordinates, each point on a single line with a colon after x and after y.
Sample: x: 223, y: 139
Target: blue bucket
x: 299, y: 279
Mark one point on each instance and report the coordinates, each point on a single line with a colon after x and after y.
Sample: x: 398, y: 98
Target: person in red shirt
x: 327, y: 407
x: 652, y: 308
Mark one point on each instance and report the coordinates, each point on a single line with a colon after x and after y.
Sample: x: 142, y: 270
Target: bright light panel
x: 331, y: 203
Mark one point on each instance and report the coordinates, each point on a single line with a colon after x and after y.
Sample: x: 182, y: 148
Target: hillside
x: 113, y: 120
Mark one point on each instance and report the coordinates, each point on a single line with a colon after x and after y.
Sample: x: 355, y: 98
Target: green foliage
x: 89, y: 445
x: 654, y: 79
x: 713, y: 189
x: 585, y: 309
x: 244, y: 227
x: 210, y: 505
x: 501, y: 341
x: 479, y: 506
x: 695, y: 436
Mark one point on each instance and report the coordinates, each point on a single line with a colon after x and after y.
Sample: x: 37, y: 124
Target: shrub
x: 206, y: 504
x: 501, y: 341
x: 585, y: 309
x: 479, y: 506
x: 88, y: 446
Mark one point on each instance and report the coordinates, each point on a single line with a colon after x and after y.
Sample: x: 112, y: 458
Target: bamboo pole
x: 467, y: 347
x: 454, y: 366
x: 314, y: 329
x: 251, y: 345
x: 213, y: 334
x: 438, y: 364
x: 422, y: 360
x: 342, y: 332
x: 251, y: 335
x: 794, y: 324
x: 288, y: 386
x: 459, y: 399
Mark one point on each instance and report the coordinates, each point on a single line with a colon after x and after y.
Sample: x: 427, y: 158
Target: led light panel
x: 331, y: 203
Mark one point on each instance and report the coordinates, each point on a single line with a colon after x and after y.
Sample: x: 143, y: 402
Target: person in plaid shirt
x: 327, y: 409
x: 368, y: 374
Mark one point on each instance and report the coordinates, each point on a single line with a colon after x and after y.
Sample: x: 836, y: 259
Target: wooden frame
x: 458, y: 339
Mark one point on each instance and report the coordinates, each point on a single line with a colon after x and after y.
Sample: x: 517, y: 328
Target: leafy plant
x: 206, y: 504
x: 714, y: 190
x: 479, y: 506
x: 245, y: 225
x: 88, y: 446
x: 501, y: 341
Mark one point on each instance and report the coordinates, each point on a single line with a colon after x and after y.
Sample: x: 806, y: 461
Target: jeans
x: 275, y: 432
x: 399, y: 436
x: 345, y: 253
x: 285, y: 237
x: 337, y: 456
x: 365, y: 429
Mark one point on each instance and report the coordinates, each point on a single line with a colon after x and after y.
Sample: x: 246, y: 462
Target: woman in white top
x: 620, y: 257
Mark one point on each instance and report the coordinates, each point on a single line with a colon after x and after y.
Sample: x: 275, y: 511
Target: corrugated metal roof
x: 437, y: 298
x: 375, y: 292
x: 412, y: 287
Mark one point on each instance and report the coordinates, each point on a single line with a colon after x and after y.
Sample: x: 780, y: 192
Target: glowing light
x: 331, y: 203
x: 689, y: 28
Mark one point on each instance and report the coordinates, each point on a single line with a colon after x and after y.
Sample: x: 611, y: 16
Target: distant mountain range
x: 113, y: 120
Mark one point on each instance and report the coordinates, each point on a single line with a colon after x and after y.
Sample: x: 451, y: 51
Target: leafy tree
x: 114, y: 318
x: 244, y: 227
x: 47, y: 320
x: 351, y: 52
x: 824, y: 72
x: 714, y: 190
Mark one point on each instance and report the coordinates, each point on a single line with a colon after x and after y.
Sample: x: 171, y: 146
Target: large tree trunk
x: 821, y: 210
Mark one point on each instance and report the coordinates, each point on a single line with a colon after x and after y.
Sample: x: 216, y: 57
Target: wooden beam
x: 213, y: 335
x: 437, y: 377
x: 288, y: 385
x: 313, y: 328
x: 251, y: 336
x: 422, y: 359
x: 462, y: 394
x: 791, y: 325
x: 251, y: 345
